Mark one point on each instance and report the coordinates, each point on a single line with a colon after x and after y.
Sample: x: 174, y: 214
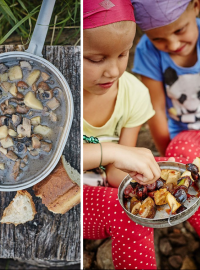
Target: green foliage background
x: 18, y: 18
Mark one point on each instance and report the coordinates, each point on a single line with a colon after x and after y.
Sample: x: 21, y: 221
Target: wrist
x: 109, y: 153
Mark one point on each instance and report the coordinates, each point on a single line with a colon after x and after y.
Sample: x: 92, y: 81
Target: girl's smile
x: 180, y: 37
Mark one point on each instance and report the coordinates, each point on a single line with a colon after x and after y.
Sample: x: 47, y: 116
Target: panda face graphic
x: 184, y: 92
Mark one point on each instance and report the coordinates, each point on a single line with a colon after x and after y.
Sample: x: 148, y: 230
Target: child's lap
x: 102, y: 210
x: 185, y: 145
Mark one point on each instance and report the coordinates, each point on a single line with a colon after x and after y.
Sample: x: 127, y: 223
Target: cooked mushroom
x: 22, y: 164
x: 53, y: 117
x: 44, y: 86
x: 36, y: 142
x: 45, y: 146
x: 34, y: 152
x: 22, y: 109
x: 20, y: 148
x: 39, y: 136
x: 16, y: 169
x: 53, y: 104
x: 25, y: 128
x: 3, y: 68
x: 22, y: 85
x: 34, y: 87
x: 19, y: 95
x: 45, y: 94
x: 16, y: 119
x: 7, y: 109
x: 148, y: 208
x: 11, y: 155
x: 45, y: 76
x: 25, y: 64
x: 3, y: 120
x: 25, y: 159
x: 17, y: 100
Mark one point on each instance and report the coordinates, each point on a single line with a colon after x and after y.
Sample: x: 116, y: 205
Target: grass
x: 18, y: 18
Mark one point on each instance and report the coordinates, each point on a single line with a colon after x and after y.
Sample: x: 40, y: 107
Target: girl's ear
x: 196, y: 5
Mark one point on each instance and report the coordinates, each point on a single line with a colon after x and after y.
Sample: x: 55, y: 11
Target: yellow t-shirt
x: 133, y: 108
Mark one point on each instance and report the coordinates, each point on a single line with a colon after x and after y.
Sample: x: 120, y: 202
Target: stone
x: 87, y: 259
x: 177, y: 239
x: 104, y: 256
x: 189, y: 227
x: 92, y: 245
x: 182, y: 251
x: 191, y: 242
x: 165, y: 246
x: 188, y: 263
x: 175, y: 261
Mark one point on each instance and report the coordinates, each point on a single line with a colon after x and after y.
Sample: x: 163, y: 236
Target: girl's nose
x: 173, y: 44
x: 112, y: 70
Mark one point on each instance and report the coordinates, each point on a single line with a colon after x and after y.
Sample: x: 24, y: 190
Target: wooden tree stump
x: 50, y: 239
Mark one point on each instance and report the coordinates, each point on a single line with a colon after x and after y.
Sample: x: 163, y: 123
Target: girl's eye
x: 179, y: 31
x: 96, y: 61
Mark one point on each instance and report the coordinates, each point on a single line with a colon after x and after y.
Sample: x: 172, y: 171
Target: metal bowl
x: 39, y: 168
x: 162, y: 219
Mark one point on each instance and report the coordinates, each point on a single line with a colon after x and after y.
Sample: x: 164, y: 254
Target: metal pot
x: 162, y: 219
x: 40, y: 170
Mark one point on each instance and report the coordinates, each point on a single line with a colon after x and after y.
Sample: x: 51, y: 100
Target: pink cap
x: 102, y: 12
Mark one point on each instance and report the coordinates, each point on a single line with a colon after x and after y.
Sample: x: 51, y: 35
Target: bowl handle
x: 40, y: 31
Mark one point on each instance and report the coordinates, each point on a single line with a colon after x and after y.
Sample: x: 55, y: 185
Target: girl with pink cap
x: 167, y: 58
x: 115, y: 105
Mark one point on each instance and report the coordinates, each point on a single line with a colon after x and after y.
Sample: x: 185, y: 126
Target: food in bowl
x: 171, y: 189
x: 30, y: 104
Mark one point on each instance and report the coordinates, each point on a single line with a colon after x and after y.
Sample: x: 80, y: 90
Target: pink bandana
x: 102, y: 12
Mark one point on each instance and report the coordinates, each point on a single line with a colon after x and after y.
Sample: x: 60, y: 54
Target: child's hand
x: 138, y: 162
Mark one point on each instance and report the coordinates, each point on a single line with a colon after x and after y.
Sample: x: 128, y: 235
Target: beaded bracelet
x: 94, y: 140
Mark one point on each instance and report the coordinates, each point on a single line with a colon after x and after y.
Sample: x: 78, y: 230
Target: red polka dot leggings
x: 132, y: 244
x: 186, y: 145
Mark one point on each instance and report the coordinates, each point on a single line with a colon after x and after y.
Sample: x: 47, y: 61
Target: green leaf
x: 7, y: 10
x: 35, y: 10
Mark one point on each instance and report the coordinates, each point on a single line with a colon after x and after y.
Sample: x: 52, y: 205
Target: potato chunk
x: 3, y: 132
x: 164, y: 174
x: 173, y: 204
x: 13, y: 90
x: 148, y: 208
x: 33, y: 77
x: 15, y: 73
x: 173, y: 176
x: 43, y: 130
x: 160, y: 196
x: 7, y: 142
x: 32, y: 102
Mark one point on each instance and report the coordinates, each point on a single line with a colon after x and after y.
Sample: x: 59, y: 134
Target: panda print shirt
x: 181, y: 84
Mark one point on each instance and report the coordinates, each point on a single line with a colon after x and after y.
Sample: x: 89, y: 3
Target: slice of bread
x: 60, y: 191
x: 20, y: 210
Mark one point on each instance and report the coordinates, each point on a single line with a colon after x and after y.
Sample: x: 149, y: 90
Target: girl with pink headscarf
x: 115, y: 105
x: 167, y: 58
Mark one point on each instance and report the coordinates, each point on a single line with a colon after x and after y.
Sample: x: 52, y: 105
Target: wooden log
x: 50, y: 239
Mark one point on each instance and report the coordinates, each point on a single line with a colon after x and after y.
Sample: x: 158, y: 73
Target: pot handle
x: 40, y: 31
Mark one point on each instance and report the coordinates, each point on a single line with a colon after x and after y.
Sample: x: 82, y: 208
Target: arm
x: 138, y: 162
x: 158, y: 123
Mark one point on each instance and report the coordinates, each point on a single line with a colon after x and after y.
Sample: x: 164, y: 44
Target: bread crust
x: 23, y: 193
x: 59, y: 193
